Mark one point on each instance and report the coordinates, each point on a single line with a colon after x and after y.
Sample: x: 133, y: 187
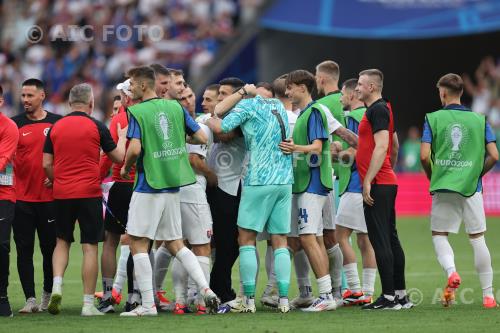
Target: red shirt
x: 76, y: 141
x: 28, y: 162
x: 9, y: 137
x: 377, y: 117
x: 106, y: 163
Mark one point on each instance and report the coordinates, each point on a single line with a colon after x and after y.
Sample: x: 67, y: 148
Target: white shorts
x: 329, y: 212
x: 307, y: 214
x: 450, y: 209
x: 351, y: 213
x: 156, y: 216
x: 196, y: 223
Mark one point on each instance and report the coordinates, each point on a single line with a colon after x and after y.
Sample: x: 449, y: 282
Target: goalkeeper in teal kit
x: 267, y: 188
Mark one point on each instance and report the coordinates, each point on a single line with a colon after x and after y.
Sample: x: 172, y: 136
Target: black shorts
x: 116, y: 217
x: 88, y: 212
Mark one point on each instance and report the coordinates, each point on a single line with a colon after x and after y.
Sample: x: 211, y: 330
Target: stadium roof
x: 384, y: 19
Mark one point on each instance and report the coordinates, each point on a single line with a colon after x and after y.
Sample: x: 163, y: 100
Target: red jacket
x: 9, y: 137
x: 106, y: 163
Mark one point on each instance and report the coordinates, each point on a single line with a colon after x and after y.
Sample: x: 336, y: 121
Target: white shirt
x: 195, y: 193
x: 333, y: 124
x: 292, y: 119
x: 227, y: 160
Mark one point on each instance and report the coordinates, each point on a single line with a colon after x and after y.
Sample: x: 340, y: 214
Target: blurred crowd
x: 95, y: 41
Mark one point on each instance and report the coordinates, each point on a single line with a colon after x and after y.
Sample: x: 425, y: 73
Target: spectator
x: 410, y: 151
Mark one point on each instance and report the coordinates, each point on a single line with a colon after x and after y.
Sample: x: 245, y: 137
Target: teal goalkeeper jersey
x: 262, y: 132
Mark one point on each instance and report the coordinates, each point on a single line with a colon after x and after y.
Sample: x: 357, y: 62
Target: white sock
x: 302, y: 268
x: 162, y: 260
x: 192, y: 290
x: 144, y: 277
x: 205, y: 267
x: 152, y: 261
x: 88, y: 300
x: 136, y: 294
x: 57, y: 285
x: 389, y: 297
x: 444, y: 253
x: 324, y: 285
x: 400, y: 293
x: 335, y: 260
x: 179, y: 280
x: 352, y: 277
x: 482, y: 261
x: 271, y: 275
x: 121, y: 270
x: 191, y: 265
x: 107, y: 286
x: 369, y: 275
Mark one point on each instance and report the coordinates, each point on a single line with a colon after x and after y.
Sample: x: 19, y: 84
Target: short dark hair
x: 377, y: 73
x: 1, y: 91
x: 34, y: 82
x: 301, y: 76
x: 143, y: 72
x: 279, y: 86
x: 234, y: 82
x: 266, y: 85
x: 117, y: 98
x: 350, y: 84
x: 159, y: 69
x: 453, y: 83
x: 213, y: 87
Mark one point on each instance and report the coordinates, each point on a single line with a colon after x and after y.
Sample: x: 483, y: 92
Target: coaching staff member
x: 377, y: 152
x: 35, y: 205
x: 9, y: 136
x: 71, y: 162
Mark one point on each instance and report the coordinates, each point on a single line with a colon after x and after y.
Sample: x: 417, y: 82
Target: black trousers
x: 7, y: 209
x: 31, y: 217
x: 381, y: 224
x: 224, y: 208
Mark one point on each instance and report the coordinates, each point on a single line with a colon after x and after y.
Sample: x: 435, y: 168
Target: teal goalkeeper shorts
x: 266, y: 207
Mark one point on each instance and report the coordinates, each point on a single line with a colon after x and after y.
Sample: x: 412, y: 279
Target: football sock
x: 144, y: 277
x: 335, y: 260
x: 302, y: 268
x: 107, y: 286
x: 88, y: 300
x: 248, y: 269
x: 444, y: 253
x: 57, y: 285
x: 121, y: 271
x: 369, y: 275
x: 191, y: 265
x: 482, y: 261
x: 162, y: 260
x: 352, y: 277
x: 179, y: 281
x: 271, y: 274
x: 324, y: 285
x: 283, y: 267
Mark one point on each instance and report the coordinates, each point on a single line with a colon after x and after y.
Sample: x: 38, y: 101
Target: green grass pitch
x: 424, y: 278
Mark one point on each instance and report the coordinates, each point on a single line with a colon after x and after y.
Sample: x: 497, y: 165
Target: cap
x: 125, y: 87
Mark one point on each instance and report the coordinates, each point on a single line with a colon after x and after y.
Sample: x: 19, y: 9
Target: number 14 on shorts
x: 303, y: 215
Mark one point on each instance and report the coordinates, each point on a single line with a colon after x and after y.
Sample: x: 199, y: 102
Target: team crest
x: 164, y: 129
x: 456, y: 136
